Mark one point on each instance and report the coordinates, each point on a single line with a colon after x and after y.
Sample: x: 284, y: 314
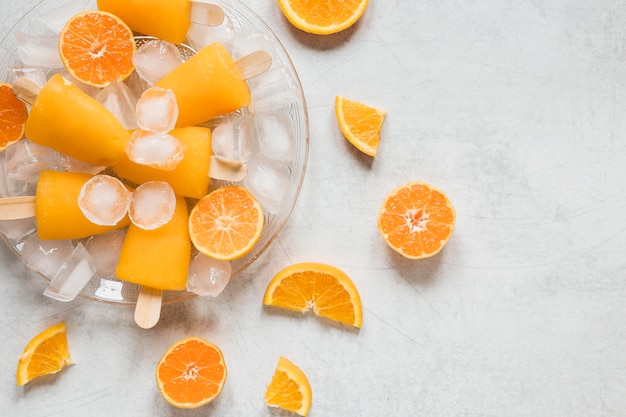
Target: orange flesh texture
x: 417, y: 220
x: 192, y: 372
x: 325, y: 13
x: 165, y: 19
x: 285, y: 389
x: 158, y: 258
x: 67, y: 120
x: 190, y: 178
x: 13, y: 114
x: 46, y: 357
x: 300, y: 288
x: 206, y: 85
x: 56, y: 207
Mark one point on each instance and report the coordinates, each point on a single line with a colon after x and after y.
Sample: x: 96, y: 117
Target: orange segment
x: 322, y: 17
x: 97, y: 48
x: 47, y: 353
x: 416, y: 220
x: 289, y: 389
x: 13, y: 115
x: 191, y: 373
x: 360, y: 124
x: 326, y: 290
x: 226, y: 223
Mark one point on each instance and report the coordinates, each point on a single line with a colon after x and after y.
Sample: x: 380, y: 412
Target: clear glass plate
x: 246, y: 25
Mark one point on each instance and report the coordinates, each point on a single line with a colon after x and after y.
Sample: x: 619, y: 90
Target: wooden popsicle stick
x: 227, y: 169
x: 148, y: 307
x: 14, y: 208
x: 253, y: 64
x: 26, y: 90
x: 206, y: 14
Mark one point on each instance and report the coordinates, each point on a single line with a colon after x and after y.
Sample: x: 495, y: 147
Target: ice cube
x: 275, y: 135
x: 23, y: 161
x: 234, y: 139
x: 46, y: 256
x: 55, y: 19
x: 105, y: 250
x: 72, y: 277
x: 156, y: 58
x: 76, y: 165
x: 208, y: 276
x: 119, y: 99
x: 157, y: 150
x: 35, y: 74
x: 104, y: 200
x: 252, y: 41
x: 18, y: 230
x: 110, y: 290
x: 200, y: 36
x: 152, y: 205
x: 273, y: 90
x: 268, y: 181
x: 157, y: 110
x: 223, y: 140
x: 38, y: 50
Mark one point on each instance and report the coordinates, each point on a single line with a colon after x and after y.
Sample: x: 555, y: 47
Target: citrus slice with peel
x: 360, y: 124
x: 416, y: 220
x: 289, y: 389
x: 323, y: 17
x: 13, y: 115
x: 97, y: 48
x: 326, y: 290
x: 226, y: 223
x: 47, y: 353
x: 191, y: 373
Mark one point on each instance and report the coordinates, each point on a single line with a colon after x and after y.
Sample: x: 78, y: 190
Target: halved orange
x: 191, y: 373
x: 97, y: 48
x: 289, y: 388
x: 226, y: 223
x: 13, y: 115
x: 47, y: 353
x: 360, y: 124
x: 416, y: 220
x: 322, y: 17
x: 326, y: 290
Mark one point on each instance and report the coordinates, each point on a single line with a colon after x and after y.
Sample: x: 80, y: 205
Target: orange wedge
x: 323, y: 17
x: 97, y: 48
x: 360, y: 124
x: 191, y: 373
x: 289, y: 389
x: 47, y: 353
x: 326, y: 290
x: 416, y: 220
x: 13, y: 115
x: 226, y: 223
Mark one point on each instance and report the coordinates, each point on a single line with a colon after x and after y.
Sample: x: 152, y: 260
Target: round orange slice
x: 360, y: 124
x: 13, y: 115
x: 97, y: 48
x: 191, y: 373
x: 416, y: 220
x: 323, y: 17
x: 47, y: 353
x: 326, y: 290
x: 289, y: 389
x: 226, y: 223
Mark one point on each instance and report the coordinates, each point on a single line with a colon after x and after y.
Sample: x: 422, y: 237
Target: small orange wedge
x: 47, y: 353
x: 360, y: 124
x: 326, y: 290
x: 323, y: 17
x: 289, y: 389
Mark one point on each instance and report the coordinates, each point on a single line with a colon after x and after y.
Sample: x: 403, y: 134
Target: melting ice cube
x: 106, y: 249
x: 38, y: 50
x: 157, y: 110
x: 72, y: 277
x: 152, y: 205
x: 276, y: 140
x: 208, y: 276
x: 46, y: 256
x: 156, y: 58
x: 157, y: 150
x: 200, y: 36
x: 120, y: 100
x: 104, y: 200
x: 252, y: 41
x: 268, y: 182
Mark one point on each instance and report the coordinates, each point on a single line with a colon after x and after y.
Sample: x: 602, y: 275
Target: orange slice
x: 13, y: 115
x: 326, y: 290
x: 289, y: 389
x: 97, y: 48
x: 416, y: 220
x: 47, y: 353
x: 322, y: 17
x: 226, y: 223
x: 191, y: 373
x: 360, y: 124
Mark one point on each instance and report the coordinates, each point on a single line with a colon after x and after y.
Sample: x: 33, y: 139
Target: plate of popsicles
x: 213, y: 100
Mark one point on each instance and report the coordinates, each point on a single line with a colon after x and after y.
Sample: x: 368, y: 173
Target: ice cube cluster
x: 261, y: 136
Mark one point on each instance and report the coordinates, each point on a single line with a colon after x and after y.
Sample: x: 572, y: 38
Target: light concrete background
x: 516, y: 110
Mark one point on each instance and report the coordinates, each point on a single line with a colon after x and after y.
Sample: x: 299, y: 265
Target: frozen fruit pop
x: 211, y: 83
x: 67, y: 120
x: 165, y: 19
